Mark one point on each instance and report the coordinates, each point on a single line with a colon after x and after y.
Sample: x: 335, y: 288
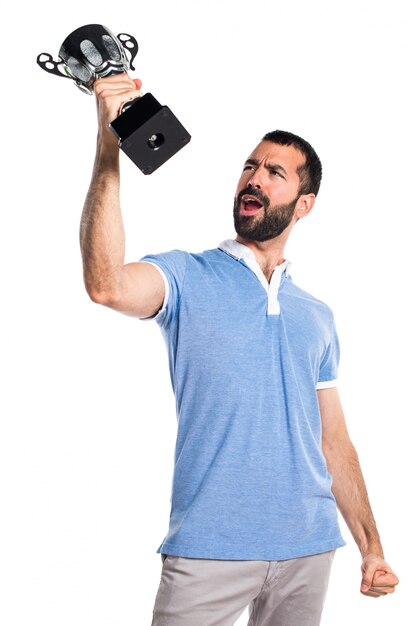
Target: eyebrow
x: 270, y: 166
x: 251, y: 162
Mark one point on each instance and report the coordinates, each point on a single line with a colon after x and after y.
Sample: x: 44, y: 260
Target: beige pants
x: 210, y: 592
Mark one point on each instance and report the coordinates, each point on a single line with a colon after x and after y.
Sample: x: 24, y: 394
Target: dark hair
x: 310, y: 173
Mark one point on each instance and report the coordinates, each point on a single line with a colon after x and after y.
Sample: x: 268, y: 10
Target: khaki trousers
x: 211, y: 592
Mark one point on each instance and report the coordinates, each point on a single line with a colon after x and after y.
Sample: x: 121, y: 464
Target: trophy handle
x: 130, y: 44
x: 49, y: 65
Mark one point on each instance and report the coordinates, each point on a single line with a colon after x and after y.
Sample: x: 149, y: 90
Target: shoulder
x: 170, y: 256
x: 185, y: 256
x: 181, y: 262
x: 208, y: 257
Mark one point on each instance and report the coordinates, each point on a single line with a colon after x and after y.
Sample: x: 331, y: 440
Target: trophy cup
x: 147, y: 132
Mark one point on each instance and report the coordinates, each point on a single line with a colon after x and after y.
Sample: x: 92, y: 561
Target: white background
x: 88, y: 423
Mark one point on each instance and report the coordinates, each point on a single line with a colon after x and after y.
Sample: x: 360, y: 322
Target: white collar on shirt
x: 240, y: 251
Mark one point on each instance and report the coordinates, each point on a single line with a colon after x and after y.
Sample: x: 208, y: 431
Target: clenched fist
x: 112, y: 93
x: 378, y: 579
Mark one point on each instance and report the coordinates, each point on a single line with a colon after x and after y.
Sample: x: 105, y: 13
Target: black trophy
x: 148, y: 132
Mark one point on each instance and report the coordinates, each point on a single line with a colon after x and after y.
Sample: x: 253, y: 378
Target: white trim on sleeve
x: 326, y: 384
x: 166, y: 291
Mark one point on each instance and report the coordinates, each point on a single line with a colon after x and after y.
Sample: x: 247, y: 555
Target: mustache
x: 251, y: 191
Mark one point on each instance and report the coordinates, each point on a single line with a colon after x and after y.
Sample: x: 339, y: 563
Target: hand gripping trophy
x: 147, y: 132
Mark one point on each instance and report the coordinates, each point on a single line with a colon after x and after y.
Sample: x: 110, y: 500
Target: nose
x: 255, y: 180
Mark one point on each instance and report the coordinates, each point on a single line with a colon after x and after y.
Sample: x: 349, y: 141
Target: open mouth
x: 250, y: 205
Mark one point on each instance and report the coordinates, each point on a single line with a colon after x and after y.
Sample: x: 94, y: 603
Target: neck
x: 268, y: 254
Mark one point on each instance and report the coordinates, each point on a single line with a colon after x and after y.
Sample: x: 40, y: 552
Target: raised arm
x: 351, y: 495
x: 135, y: 289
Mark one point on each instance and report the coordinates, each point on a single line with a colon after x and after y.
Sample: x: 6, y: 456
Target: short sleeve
x: 328, y: 369
x: 172, y: 267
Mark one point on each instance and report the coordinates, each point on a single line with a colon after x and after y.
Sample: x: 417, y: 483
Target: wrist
x: 375, y: 549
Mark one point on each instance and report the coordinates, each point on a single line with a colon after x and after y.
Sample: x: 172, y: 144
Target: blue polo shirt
x: 246, y: 358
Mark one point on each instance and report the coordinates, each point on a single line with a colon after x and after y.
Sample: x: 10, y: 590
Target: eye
x: 276, y: 173
x: 248, y: 167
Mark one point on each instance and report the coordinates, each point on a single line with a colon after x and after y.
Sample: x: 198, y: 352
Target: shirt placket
x: 272, y: 287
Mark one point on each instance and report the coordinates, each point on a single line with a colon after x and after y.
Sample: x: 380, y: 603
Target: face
x: 267, y: 192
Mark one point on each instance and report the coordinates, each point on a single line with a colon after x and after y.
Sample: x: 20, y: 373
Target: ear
x: 304, y: 205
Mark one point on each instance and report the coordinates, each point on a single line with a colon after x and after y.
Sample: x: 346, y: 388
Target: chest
x: 229, y: 319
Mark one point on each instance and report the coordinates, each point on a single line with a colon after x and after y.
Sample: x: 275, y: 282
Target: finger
x: 114, y: 87
x: 381, y: 579
x: 114, y: 78
x: 100, y: 88
x: 367, y: 579
x: 381, y: 575
x: 385, y: 589
x: 111, y: 100
x: 372, y: 594
x: 109, y: 93
x: 376, y: 591
x: 109, y: 104
x: 120, y: 81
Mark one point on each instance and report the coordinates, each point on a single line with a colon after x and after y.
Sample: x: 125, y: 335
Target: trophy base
x: 149, y: 133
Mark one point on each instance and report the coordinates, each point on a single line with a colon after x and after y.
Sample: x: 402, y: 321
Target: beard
x: 267, y: 226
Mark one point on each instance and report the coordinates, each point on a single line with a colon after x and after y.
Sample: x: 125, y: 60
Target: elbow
x: 104, y: 297
x: 104, y: 288
x: 99, y: 297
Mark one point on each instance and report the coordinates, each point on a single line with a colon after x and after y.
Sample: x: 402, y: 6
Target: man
x: 253, y: 362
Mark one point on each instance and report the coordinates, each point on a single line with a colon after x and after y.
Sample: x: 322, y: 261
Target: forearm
x: 102, y: 236
x: 351, y: 495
